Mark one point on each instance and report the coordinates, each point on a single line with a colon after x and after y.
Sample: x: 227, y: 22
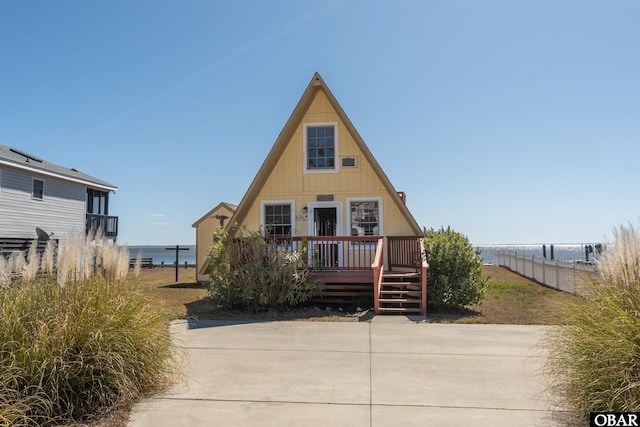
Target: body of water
x: 561, y: 252
x: 160, y: 254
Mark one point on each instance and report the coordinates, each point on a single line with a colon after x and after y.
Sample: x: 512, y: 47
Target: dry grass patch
x: 510, y: 299
x: 173, y: 298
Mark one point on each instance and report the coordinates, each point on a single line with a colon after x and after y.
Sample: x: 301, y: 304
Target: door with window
x: 325, y: 222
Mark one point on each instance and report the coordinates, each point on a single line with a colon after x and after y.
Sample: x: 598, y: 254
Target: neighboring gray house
x: 36, y: 193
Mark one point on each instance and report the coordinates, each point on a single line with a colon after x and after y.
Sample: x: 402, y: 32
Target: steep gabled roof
x: 316, y: 84
x: 21, y: 160
x: 230, y: 207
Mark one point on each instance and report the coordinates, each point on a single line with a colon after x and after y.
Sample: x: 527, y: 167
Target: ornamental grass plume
x: 71, y: 353
x: 594, y: 359
x: 5, y: 275
x: 48, y: 258
x: 137, y: 266
x: 32, y: 265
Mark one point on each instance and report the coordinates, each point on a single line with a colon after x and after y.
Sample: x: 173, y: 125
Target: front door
x: 325, y: 221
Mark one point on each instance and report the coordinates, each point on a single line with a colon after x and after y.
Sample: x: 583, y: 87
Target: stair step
x: 401, y: 286
x: 400, y: 309
x: 399, y: 300
x: 414, y: 284
x: 407, y: 275
x: 401, y: 292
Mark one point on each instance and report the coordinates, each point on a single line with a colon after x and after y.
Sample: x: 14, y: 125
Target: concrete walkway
x: 392, y: 371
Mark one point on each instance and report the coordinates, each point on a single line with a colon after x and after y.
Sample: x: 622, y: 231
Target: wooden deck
x: 401, y: 288
x: 392, y: 270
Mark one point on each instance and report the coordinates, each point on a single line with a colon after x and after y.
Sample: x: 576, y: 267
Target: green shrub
x: 454, y: 278
x: 76, y: 341
x: 594, y: 359
x: 251, y: 272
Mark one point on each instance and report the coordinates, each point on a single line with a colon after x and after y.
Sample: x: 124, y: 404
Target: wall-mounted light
x: 305, y: 209
x: 221, y: 218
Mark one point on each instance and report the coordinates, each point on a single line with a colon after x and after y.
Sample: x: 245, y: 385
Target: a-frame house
x: 320, y: 184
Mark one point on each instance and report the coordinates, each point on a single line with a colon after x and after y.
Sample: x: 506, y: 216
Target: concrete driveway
x: 392, y: 371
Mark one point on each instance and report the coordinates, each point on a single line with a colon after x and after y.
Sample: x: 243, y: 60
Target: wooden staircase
x: 403, y: 287
x: 400, y: 293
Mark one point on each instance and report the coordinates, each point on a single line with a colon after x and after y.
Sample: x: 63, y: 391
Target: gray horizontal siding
x: 62, y: 210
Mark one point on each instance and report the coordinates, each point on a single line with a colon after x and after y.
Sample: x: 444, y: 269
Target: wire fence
x: 561, y: 275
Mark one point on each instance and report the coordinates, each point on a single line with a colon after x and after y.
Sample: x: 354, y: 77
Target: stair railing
x: 424, y: 267
x: 377, y: 266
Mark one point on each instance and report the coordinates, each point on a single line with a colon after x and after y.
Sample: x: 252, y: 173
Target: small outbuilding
x: 214, y: 220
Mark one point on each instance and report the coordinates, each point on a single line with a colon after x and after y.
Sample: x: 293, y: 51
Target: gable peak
x: 317, y: 80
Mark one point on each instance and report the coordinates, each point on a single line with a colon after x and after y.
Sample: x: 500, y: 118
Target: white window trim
x: 264, y: 203
x: 336, y: 166
x: 33, y: 183
x: 365, y: 199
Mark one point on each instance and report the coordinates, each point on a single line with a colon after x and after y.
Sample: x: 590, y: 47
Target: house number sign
x: 324, y: 198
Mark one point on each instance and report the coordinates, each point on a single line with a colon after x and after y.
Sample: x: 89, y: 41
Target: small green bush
x: 594, y: 358
x: 252, y: 272
x: 76, y: 340
x: 454, y: 278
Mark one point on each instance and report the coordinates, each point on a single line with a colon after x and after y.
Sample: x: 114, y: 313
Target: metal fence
x: 561, y: 275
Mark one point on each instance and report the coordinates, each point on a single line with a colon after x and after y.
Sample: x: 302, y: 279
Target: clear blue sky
x: 512, y: 121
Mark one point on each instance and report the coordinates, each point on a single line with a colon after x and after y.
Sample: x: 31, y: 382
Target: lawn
x: 510, y: 299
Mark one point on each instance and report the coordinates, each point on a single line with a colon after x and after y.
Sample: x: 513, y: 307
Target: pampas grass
x: 594, y: 360
x: 76, y: 340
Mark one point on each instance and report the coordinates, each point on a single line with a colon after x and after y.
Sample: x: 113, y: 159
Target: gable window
x: 37, y: 191
x: 320, y: 140
x: 278, y: 218
x: 365, y: 217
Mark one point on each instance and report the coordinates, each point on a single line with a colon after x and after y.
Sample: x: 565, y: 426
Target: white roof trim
x: 57, y: 175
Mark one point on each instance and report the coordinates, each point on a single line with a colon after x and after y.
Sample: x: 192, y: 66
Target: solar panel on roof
x: 25, y: 154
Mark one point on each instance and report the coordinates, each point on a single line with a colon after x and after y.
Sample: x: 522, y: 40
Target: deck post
x: 377, y: 266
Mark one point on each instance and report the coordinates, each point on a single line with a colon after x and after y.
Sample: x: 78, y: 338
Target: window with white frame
x: 37, y: 189
x: 278, y: 219
x: 321, y: 147
x: 365, y: 217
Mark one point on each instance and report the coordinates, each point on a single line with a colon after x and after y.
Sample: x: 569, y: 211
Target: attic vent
x: 348, y: 162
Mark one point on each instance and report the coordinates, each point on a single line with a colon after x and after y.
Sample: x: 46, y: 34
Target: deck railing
x: 108, y: 225
x: 355, y: 252
x: 333, y: 252
x: 405, y: 251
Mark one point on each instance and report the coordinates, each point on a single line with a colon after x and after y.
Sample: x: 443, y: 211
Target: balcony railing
x: 106, y: 224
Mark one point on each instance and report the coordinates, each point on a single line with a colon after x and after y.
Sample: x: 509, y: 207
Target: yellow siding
x: 204, y: 237
x: 288, y: 181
